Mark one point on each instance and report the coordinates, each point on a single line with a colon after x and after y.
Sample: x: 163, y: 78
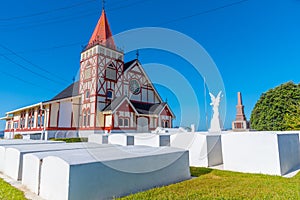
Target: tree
x: 278, y: 109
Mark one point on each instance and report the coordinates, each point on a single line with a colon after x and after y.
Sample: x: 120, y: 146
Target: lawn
x: 8, y: 192
x: 217, y: 184
x: 209, y: 184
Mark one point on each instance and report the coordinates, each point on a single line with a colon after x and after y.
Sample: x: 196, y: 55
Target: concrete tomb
x: 32, y: 164
x: 14, y: 155
x: 4, y: 144
x: 111, y: 172
x: 261, y: 152
x: 205, y: 149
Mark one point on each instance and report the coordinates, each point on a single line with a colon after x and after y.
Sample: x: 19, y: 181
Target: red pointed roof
x: 102, y: 33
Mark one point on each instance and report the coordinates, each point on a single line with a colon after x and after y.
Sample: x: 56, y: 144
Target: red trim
x: 27, y: 129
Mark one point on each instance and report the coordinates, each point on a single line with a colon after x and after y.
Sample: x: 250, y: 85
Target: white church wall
x: 260, y: 152
x: 65, y: 114
x: 106, y: 174
x: 53, y: 115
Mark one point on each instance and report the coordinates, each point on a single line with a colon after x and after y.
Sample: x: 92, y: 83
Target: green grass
x: 70, y: 140
x: 8, y: 192
x: 217, y: 184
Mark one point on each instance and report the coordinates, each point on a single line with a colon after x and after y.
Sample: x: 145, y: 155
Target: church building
x: 110, y: 96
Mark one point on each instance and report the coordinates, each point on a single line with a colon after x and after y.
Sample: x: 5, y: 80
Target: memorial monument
x: 240, y: 123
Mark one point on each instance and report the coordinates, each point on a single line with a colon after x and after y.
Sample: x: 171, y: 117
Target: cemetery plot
x: 14, y: 155
x: 111, y: 172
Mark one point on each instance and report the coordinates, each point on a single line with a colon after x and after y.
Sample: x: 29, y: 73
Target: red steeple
x: 102, y: 33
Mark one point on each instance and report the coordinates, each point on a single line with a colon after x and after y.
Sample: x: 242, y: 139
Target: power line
x: 46, y: 12
x: 31, y: 63
x: 61, y: 19
x: 23, y: 80
x: 27, y: 69
x: 204, y: 12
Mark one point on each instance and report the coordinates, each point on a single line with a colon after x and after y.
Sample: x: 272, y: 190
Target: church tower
x: 101, y: 65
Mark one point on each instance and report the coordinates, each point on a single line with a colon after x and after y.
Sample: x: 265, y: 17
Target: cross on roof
x: 103, y: 4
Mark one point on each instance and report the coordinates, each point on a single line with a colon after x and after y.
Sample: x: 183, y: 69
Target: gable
x: 135, y: 75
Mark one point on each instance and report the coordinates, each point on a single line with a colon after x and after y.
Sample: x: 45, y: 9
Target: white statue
x: 215, y: 121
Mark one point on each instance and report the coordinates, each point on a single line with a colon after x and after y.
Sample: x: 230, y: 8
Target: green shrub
x: 18, y: 136
x: 278, y: 109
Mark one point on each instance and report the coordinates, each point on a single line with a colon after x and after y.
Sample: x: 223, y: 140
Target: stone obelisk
x: 240, y: 123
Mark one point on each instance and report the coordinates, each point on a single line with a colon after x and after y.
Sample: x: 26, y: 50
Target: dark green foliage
x: 18, y: 136
x: 278, y: 109
x: 71, y: 140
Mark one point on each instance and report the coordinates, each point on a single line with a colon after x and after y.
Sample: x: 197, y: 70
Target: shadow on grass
x: 199, y: 171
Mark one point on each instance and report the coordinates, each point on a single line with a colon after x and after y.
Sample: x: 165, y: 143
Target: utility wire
x: 24, y: 81
x: 29, y: 70
x: 31, y: 63
x: 46, y: 12
x: 164, y: 23
x: 204, y: 12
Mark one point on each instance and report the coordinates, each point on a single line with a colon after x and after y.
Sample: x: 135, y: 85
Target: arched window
x: 84, y: 118
x: 87, y: 94
x: 41, y: 118
x: 30, y: 118
x: 111, y: 72
x: 88, y: 116
x: 109, y: 94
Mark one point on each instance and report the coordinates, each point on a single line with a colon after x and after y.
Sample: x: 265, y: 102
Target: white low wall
x: 205, y: 149
x: 121, y: 139
x: 32, y: 164
x: 261, y: 152
x: 14, y: 155
x: 111, y: 172
x: 98, y: 138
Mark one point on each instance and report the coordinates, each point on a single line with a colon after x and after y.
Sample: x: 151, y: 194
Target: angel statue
x: 215, y: 121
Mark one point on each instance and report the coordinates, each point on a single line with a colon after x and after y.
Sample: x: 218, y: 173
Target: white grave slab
x: 111, y: 172
x: 14, y: 155
x: 4, y: 144
x: 205, y: 149
x: 261, y: 152
x: 32, y: 164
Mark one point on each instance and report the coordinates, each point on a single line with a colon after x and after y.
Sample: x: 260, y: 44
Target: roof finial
x: 103, y: 4
x: 137, y: 54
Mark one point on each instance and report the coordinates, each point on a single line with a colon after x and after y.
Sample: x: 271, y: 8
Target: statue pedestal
x: 215, y: 125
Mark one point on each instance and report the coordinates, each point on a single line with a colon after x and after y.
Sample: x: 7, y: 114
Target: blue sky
x: 255, y: 45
